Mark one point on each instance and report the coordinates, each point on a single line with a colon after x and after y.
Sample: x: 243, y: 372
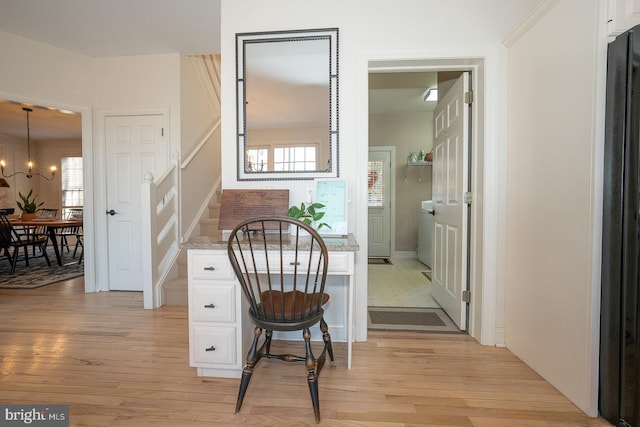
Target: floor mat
x: 380, y: 261
x: 410, y: 319
x: 38, y: 273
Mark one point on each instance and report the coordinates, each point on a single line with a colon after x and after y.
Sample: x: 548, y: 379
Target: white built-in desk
x: 220, y: 330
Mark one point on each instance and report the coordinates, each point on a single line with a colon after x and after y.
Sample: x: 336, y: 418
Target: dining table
x: 52, y: 225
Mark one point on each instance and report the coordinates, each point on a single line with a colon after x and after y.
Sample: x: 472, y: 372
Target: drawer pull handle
x: 210, y: 306
x: 209, y: 269
x: 212, y: 348
x: 294, y: 263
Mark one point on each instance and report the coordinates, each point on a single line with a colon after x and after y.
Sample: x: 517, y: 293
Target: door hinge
x: 468, y: 97
x: 468, y: 197
x: 466, y: 296
x: 161, y: 131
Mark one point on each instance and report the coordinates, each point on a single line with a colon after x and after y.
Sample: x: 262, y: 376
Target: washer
x: 425, y: 233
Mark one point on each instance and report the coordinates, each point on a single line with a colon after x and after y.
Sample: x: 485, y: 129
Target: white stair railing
x: 160, y: 232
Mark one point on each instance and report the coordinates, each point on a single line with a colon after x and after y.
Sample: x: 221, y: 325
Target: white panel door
x: 379, y: 226
x: 134, y: 145
x: 450, y: 160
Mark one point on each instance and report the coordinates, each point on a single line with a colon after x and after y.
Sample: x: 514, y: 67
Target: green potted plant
x: 309, y: 214
x: 29, y: 206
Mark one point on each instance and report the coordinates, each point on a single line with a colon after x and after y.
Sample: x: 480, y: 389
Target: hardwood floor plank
x: 116, y: 364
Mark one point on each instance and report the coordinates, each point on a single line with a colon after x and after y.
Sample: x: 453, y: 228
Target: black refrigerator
x: 619, y: 392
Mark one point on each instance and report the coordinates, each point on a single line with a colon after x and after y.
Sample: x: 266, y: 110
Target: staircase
x: 175, y: 290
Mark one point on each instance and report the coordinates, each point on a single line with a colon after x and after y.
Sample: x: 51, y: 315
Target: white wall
x: 41, y: 74
x: 552, y: 278
x: 35, y: 71
x: 459, y: 29
x: 131, y: 85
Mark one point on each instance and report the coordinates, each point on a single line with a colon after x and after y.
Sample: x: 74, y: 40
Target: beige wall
x: 44, y: 154
x: 49, y: 153
x: 551, y: 298
x: 199, y: 115
x: 409, y: 132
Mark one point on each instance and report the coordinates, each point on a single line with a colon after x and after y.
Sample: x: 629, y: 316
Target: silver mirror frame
x: 242, y: 39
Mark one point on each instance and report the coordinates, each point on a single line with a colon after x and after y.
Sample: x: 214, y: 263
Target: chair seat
x: 290, y: 306
x: 279, y: 299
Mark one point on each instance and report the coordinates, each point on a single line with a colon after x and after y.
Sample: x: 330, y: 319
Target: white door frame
x: 392, y: 199
x: 101, y: 247
x: 87, y: 180
x: 483, y: 264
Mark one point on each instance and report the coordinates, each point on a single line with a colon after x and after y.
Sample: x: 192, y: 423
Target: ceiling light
x: 29, y: 172
x: 431, y: 95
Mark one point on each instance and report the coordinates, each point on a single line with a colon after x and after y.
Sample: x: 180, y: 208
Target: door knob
x: 111, y: 212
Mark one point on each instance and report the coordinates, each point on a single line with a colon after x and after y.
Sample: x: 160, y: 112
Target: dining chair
x: 282, y: 276
x: 64, y: 233
x: 41, y: 230
x: 47, y: 213
x: 11, y: 242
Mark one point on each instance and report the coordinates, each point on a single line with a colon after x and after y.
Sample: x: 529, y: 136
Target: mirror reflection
x: 287, y: 105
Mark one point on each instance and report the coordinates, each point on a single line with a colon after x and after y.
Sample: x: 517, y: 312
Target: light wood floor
x: 116, y: 364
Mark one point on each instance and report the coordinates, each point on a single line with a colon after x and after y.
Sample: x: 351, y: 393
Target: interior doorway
x: 414, y: 184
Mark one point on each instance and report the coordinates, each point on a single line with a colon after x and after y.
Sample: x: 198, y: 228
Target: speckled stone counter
x: 333, y: 243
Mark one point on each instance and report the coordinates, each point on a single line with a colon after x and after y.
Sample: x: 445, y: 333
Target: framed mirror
x: 287, y: 104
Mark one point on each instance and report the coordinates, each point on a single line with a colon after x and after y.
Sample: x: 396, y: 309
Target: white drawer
x: 214, y: 345
x: 339, y: 263
x: 214, y: 302
x: 209, y: 265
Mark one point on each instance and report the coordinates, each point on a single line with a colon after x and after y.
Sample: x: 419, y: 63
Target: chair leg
x: 267, y: 342
x: 312, y: 375
x: 326, y: 338
x: 46, y: 256
x: 247, y: 371
x: 14, y: 260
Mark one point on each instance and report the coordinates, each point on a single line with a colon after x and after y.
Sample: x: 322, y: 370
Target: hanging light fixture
x: 29, y: 172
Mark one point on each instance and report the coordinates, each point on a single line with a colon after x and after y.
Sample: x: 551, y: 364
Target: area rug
x: 38, y: 274
x: 410, y: 319
x: 381, y: 261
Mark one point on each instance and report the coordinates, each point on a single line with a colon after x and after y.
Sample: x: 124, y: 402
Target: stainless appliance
x: 619, y: 399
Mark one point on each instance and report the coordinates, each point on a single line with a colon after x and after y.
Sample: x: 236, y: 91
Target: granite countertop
x: 334, y: 243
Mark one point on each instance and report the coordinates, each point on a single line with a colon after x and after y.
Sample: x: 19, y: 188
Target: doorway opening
x: 401, y: 119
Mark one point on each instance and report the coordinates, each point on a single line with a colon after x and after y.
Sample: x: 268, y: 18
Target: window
x: 257, y: 159
x: 72, y: 188
x: 294, y: 158
x: 376, y: 189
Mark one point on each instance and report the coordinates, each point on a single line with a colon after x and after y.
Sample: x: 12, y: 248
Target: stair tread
x: 178, y: 282
x: 200, y: 239
x: 209, y: 221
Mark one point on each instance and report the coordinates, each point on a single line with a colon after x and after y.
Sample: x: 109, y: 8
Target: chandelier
x: 29, y: 173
